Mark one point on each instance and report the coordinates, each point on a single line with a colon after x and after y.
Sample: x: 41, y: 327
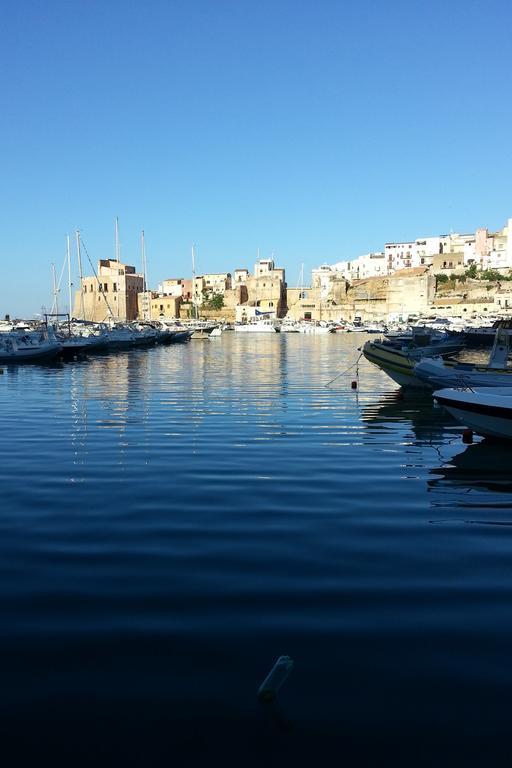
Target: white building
x: 367, y: 265
x: 322, y: 277
x: 171, y: 287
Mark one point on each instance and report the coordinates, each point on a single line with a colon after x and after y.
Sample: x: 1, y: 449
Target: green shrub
x: 441, y: 278
x: 216, y: 301
x: 491, y: 274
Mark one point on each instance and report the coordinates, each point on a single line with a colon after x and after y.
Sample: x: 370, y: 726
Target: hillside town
x: 459, y: 275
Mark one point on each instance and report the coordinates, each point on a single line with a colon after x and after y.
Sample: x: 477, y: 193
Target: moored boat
x: 438, y: 373
x: 30, y: 347
x: 398, y: 361
x: 257, y: 326
x: 487, y: 410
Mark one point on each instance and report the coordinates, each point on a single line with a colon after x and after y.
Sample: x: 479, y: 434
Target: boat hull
x: 484, y: 411
x: 455, y: 376
x: 395, y: 363
x: 31, y: 355
x: 255, y: 328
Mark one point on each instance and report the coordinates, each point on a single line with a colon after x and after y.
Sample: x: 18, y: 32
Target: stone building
x: 155, y: 306
x: 110, y: 295
x: 208, y: 285
x: 266, y: 289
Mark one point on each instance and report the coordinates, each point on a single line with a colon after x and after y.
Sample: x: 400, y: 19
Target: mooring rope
x: 356, y: 364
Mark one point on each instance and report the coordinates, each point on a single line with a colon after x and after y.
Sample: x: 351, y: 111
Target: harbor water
x: 175, y: 519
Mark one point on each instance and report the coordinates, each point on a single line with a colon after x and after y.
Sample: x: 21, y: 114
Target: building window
x: 114, y: 287
x: 105, y: 287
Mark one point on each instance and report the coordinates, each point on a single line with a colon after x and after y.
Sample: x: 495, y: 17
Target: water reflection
x: 484, y: 466
x: 428, y: 422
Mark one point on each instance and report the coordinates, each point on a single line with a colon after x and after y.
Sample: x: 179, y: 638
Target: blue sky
x: 314, y: 130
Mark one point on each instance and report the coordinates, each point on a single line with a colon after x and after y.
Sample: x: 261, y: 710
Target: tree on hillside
x: 216, y: 301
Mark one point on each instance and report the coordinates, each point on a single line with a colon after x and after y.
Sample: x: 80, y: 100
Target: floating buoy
x: 275, y: 678
x: 467, y: 436
x: 354, y: 385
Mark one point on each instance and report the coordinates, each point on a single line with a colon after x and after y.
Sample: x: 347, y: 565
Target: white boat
x: 487, y: 410
x: 216, y: 333
x: 121, y: 336
x: 438, y: 373
x: 28, y: 347
x: 290, y: 326
x: 315, y: 327
x: 257, y: 326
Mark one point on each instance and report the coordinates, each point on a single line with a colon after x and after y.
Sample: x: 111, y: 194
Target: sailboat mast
x: 68, y: 254
x: 55, y: 305
x: 145, y: 274
x: 79, y: 259
x: 194, y: 306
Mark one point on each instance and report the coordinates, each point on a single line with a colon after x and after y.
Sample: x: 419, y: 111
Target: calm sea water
x: 174, y: 519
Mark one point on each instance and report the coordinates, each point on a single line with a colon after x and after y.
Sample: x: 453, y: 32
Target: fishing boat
x: 487, y: 410
x: 438, y: 373
x: 398, y: 360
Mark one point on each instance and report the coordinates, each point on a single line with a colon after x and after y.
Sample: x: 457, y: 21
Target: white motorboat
x: 29, y: 347
x: 315, y: 327
x: 257, y: 326
x: 121, y: 336
x: 438, y: 373
x: 487, y: 410
x: 290, y: 326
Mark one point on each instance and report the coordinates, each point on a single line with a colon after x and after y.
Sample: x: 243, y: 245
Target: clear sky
x: 313, y: 130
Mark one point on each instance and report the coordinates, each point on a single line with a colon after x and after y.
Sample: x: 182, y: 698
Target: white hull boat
x: 487, y: 410
x: 315, y: 329
x: 439, y: 374
x: 260, y: 326
x: 29, y: 348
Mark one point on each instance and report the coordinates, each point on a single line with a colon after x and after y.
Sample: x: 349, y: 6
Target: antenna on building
x: 118, y: 247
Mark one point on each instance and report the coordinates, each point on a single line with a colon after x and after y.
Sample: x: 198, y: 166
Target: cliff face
x: 407, y: 292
